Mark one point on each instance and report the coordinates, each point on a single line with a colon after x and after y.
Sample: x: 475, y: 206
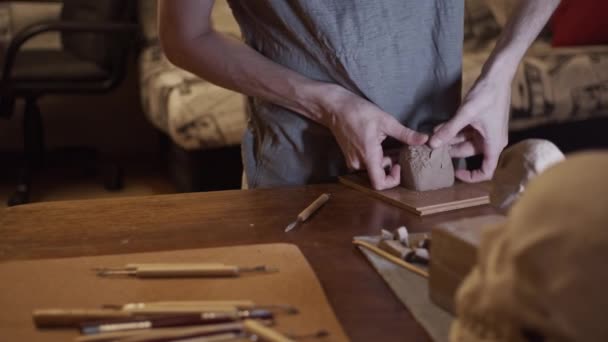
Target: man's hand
x: 479, y: 127
x: 360, y: 127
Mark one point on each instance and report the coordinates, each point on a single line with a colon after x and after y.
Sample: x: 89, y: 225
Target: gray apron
x: 403, y: 55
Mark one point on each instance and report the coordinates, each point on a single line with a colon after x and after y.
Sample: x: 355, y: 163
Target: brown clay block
x: 424, y: 168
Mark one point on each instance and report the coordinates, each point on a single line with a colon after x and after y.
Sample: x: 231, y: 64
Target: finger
x: 485, y: 173
x: 438, y: 127
x: 461, y: 137
x: 353, y: 164
x: 464, y: 150
x: 380, y: 180
x: 394, y: 129
x: 387, y: 162
x: 450, y: 129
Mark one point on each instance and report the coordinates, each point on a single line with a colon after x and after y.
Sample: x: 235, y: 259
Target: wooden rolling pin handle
x: 314, y: 206
x: 263, y: 332
x: 191, y: 271
x: 73, y: 318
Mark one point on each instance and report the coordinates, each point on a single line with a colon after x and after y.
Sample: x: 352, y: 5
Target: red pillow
x: 580, y: 22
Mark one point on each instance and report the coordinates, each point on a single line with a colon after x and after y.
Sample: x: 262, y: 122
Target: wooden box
x: 453, y: 255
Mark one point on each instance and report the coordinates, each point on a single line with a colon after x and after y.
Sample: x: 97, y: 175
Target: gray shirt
x: 405, y: 56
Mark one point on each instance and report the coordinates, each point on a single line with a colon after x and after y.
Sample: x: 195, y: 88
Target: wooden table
x: 364, y: 304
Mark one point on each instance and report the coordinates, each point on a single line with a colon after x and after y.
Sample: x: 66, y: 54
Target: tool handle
x: 47, y: 318
x: 314, y: 206
x: 176, y: 310
x: 263, y: 332
x: 201, y: 270
x: 197, y: 303
x: 172, y: 264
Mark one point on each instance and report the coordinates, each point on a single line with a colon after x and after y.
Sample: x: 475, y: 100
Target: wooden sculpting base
x: 458, y: 196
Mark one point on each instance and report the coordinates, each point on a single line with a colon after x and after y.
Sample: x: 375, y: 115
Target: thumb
x: 447, y: 131
x: 395, y: 129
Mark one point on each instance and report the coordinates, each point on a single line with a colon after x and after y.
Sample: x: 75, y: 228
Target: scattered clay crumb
x: 387, y: 235
x: 403, y: 235
x: 124, y: 241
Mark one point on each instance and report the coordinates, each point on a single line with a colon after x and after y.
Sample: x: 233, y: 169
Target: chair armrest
x: 59, y: 26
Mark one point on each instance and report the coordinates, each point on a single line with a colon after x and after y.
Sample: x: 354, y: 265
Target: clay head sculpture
x: 542, y: 276
x: 424, y: 168
x: 518, y: 165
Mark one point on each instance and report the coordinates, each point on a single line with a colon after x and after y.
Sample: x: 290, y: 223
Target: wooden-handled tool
x: 46, y: 318
x: 205, y: 318
x: 181, y: 270
x: 306, y: 213
x: 152, y: 308
x: 164, y: 334
x: 263, y: 332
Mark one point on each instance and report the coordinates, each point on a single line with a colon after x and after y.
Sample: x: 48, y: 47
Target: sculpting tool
x: 163, y: 334
x: 55, y: 318
x: 306, y: 213
x: 200, y: 306
x: 265, y: 333
x: 181, y: 270
x: 173, y: 321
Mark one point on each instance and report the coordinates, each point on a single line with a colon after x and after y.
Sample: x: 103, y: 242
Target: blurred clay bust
x: 541, y: 276
x: 517, y: 166
x: 424, y: 168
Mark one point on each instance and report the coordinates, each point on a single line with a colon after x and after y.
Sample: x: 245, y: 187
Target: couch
x: 201, y: 124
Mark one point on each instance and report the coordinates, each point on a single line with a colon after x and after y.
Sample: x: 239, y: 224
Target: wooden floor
x: 141, y: 178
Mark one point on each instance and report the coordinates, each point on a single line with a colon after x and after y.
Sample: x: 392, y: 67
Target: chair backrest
x: 106, y: 50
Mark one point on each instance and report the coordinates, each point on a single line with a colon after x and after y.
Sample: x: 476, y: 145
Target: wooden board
x: 70, y: 283
x: 454, y: 253
x: 459, y: 196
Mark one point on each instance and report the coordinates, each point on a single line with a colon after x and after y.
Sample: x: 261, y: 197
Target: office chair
x: 96, y: 36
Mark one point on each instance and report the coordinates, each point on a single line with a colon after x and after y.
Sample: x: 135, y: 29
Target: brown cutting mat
x: 70, y: 283
x: 459, y: 196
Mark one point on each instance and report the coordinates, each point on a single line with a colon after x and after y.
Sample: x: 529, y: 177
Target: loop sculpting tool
x: 306, y: 213
x: 181, y: 270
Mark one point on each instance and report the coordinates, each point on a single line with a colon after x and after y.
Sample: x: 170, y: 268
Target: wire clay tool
x: 306, y: 213
x: 181, y: 270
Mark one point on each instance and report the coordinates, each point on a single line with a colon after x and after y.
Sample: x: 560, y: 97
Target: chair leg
x: 33, y: 152
x: 7, y: 105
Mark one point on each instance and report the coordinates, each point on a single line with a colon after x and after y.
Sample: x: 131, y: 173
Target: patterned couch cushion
x: 552, y: 85
x: 193, y: 112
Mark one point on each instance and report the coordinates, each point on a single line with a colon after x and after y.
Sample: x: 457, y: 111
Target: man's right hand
x: 360, y: 127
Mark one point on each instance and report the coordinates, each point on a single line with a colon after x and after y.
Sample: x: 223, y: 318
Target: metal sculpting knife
x: 306, y: 213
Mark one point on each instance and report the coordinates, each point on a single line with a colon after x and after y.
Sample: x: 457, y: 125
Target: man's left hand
x: 480, y: 126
